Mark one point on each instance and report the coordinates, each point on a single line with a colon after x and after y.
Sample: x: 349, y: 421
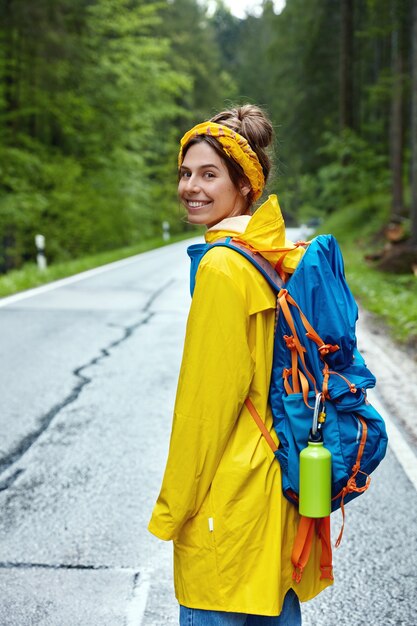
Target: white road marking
x: 137, y: 606
x: 62, y: 282
x: 397, y: 443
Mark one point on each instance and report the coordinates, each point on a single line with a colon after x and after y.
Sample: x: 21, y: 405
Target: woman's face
x: 206, y: 189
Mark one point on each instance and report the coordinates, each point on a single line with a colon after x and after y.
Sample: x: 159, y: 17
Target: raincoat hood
x: 264, y: 231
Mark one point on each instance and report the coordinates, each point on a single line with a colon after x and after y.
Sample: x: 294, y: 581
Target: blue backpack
x: 317, y: 374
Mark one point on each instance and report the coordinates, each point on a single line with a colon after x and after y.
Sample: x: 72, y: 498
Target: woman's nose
x: 192, y: 184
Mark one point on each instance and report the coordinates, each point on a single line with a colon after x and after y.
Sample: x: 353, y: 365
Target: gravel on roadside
x: 395, y: 369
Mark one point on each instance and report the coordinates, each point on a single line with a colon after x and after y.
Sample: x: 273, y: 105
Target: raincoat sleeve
x: 215, y: 376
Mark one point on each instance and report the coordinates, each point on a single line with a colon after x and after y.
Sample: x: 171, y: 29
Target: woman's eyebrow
x: 201, y: 167
x: 209, y: 165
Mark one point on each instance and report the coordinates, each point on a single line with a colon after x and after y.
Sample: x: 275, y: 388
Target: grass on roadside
x: 30, y: 276
x: 392, y: 297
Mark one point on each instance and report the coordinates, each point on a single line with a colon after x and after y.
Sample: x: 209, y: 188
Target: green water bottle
x: 315, y: 478
x: 315, y: 474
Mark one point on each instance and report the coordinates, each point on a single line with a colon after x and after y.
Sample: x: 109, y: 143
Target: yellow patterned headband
x: 235, y: 146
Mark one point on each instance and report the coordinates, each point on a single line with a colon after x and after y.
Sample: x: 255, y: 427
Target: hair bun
x: 255, y: 126
x: 250, y: 121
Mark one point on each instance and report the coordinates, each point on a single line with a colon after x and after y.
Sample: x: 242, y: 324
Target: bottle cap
x: 316, y: 437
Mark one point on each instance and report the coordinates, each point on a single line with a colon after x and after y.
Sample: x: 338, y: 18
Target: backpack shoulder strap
x: 255, y: 258
x: 197, y: 251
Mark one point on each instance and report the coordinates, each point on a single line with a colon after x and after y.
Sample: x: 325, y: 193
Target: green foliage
x: 291, y: 64
x: 93, y: 99
x: 358, y: 222
x: 353, y: 170
x: 192, y: 37
x: 86, y: 154
x: 391, y: 297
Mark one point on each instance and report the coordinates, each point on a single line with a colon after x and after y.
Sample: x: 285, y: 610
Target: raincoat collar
x: 264, y: 231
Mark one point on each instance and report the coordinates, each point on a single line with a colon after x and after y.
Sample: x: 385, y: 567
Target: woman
x: 221, y: 500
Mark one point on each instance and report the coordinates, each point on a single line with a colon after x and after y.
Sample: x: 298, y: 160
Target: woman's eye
x: 185, y: 174
x: 209, y: 175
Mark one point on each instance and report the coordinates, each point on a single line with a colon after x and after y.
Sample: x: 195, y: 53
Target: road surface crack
x: 45, y: 421
x: 65, y: 566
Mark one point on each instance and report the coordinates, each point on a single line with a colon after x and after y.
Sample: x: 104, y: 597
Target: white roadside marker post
x: 166, y: 235
x: 40, y: 256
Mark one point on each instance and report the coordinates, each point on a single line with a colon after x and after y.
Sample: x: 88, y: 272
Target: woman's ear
x: 245, y: 187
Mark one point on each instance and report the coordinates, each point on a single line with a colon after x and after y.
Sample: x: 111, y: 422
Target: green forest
x: 95, y: 94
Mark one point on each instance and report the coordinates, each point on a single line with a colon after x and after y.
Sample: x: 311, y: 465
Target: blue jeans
x: 290, y: 616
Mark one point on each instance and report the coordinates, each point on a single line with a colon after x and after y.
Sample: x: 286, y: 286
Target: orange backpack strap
x: 323, y: 348
x: 351, y: 485
x: 251, y: 408
x: 323, y: 531
x: 297, y: 349
x: 302, y: 546
x: 303, y: 543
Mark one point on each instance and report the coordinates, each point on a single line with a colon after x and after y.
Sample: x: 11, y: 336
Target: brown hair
x: 253, y: 124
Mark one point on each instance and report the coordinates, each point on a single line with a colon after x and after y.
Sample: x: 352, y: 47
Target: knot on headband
x: 235, y: 146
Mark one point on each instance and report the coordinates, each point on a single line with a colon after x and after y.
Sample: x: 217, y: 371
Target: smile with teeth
x: 194, y: 204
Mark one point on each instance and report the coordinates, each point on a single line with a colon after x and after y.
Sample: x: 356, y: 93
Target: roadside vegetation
x: 389, y: 296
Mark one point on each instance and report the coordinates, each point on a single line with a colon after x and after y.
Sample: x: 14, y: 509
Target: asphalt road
x: 89, y: 370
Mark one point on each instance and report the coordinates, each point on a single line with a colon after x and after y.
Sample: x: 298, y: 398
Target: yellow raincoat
x: 221, y: 499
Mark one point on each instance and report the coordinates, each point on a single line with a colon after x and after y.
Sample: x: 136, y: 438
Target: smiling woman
x: 221, y: 501
x: 237, y: 140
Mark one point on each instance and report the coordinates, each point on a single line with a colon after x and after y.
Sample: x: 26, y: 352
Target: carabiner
x: 319, y: 400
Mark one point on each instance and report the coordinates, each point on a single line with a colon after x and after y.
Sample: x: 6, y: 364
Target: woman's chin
x: 194, y: 218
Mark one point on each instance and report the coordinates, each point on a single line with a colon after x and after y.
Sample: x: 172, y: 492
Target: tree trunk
x: 346, y: 64
x: 10, y: 78
x: 396, y: 116
x: 413, y: 212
